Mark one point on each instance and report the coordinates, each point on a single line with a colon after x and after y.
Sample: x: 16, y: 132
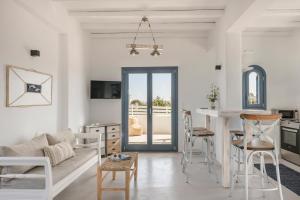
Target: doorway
x: 149, y: 108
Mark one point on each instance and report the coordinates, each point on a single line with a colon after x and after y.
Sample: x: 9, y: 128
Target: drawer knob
x: 97, y: 130
x: 113, y: 149
x: 113, y: 129
x: 113, y: 136
x: 113, y: 142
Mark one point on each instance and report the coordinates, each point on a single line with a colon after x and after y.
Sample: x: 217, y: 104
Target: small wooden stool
x: 114, y: 166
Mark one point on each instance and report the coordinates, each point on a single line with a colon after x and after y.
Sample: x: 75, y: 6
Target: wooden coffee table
x: 126, y: 166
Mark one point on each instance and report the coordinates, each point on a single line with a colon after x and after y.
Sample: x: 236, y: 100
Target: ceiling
x: 168, y: 18
x: 282, y: 16
x: 173, y: 18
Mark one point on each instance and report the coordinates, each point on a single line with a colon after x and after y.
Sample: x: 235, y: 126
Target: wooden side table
x: 126, y: 166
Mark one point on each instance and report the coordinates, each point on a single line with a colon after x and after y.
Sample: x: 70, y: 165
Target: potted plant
x: 213, y: 96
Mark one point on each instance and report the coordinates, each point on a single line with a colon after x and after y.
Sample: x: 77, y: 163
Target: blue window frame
x: 254, y: 88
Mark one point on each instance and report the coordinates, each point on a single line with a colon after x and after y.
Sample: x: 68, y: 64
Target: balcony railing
x: 156, y: 110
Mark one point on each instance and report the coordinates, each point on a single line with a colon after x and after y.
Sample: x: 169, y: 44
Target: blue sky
x: 161, y: 86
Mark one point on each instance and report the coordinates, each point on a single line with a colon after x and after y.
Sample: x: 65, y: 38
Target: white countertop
x: 229, y: 113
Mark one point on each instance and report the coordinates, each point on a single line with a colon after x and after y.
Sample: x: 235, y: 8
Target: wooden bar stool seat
x: 199, y: 129
x: 237, y: 133
x: 254, y: 145
x: 203, y: 133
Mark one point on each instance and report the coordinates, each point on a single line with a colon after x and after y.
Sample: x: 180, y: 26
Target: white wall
x: 195, y: 64
x: 280, y: 57
x: 43, y: 25
x: 228, y: 54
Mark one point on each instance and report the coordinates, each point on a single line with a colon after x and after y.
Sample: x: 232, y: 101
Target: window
x: 254, y: 88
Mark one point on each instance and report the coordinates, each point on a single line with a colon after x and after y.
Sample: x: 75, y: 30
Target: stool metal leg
x: 234, y: 171
x: 246, y: 179
x: 278, y: 176
x: 262, y: 171
x: 208, y: 154
x: 186, y: 155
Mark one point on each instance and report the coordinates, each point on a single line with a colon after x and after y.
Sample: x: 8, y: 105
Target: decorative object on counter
x: 27, y: 87
x: 213, y: 96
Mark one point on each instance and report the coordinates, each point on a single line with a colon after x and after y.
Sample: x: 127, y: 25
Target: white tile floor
x: 160, y: 178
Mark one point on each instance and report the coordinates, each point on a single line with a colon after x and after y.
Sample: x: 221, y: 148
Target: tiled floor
x: 160, y: 178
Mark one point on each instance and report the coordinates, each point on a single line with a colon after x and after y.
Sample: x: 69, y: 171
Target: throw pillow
x: 52, y: 140
x: 62, y: 136
x: 59, y: 152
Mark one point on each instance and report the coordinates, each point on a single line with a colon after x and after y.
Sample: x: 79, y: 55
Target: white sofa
x: 44, y: 182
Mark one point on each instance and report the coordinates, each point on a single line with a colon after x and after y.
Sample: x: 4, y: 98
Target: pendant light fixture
x: 133, y: 47
x: 133, y: 51
x: 155, y: 52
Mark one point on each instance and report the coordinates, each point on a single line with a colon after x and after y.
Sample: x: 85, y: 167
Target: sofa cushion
x: 81, y: 157
x: 59, y: 172
x: 52, y: 140
x: 28, y: 149
x: 59, y: 152
x: 62, y: 136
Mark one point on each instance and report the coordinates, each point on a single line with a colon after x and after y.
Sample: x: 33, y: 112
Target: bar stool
x: 236, y: 137
x: 258, y: 140
x: 191, y: 134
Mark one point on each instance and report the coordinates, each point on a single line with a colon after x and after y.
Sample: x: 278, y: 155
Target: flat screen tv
x: 105, y: 89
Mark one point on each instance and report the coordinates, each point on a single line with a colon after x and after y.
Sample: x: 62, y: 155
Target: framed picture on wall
x: 27, y: 87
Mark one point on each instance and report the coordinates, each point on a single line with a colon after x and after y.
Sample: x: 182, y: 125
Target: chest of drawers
x: 111, y: 137
x: 113, y: 142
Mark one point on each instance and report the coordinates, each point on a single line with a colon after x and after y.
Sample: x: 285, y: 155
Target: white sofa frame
x: 50, y: 190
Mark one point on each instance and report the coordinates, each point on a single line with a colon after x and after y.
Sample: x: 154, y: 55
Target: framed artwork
x: 27, y: 87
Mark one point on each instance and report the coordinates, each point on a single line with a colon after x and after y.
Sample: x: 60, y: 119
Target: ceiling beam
x: 275, y: 24
x: 282, y: 12
x: 155, y: 27
x: 267, y: 32
x: 137, y: 19
x: 153, y: 24
x: 160, y: 34
x: 199, y: 13
x: 141, y: 4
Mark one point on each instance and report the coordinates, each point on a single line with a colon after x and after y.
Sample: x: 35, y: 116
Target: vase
x: 213, y: 105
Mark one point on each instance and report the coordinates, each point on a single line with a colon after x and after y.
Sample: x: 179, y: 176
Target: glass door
x: 149, y: 109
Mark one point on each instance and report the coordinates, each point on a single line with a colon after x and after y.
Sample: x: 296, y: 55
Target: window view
x: 137, y: 109
x: 254, y: 88
x: 161, y: 110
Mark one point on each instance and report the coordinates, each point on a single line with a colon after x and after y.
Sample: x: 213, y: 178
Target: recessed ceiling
x: 169, y: 18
